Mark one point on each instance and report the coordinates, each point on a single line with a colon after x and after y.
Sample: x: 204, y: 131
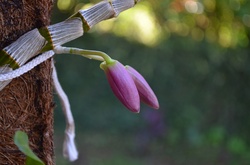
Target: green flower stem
x: 90, y: 54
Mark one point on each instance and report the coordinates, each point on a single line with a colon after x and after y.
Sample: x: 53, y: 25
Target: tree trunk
x: 26, y: 103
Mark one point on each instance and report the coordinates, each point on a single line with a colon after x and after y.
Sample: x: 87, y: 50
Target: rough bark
x: 26, y: 103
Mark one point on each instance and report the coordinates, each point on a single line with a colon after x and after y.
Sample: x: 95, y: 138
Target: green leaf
x: 22, y: 142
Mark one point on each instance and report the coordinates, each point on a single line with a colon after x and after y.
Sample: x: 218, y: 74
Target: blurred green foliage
x: 194, y: 54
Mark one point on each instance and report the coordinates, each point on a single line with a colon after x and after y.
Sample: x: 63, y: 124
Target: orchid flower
x: 122, y: 84
x: 145, y: 92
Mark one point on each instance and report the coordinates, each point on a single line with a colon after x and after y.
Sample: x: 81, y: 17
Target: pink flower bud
x: 145, y: 92
x: 122, y: 84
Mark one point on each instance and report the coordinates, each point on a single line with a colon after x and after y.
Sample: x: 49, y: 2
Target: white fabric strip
x: 69, y: 148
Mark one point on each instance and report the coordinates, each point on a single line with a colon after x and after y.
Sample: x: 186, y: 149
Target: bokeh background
x: 195, y: 54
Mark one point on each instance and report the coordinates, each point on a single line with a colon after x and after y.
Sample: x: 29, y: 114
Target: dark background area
x: 195, y: 56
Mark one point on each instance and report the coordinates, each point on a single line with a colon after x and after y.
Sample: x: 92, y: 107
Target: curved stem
x: 90, y: 54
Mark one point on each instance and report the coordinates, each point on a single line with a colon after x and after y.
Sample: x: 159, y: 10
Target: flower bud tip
x: 145, y: 92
